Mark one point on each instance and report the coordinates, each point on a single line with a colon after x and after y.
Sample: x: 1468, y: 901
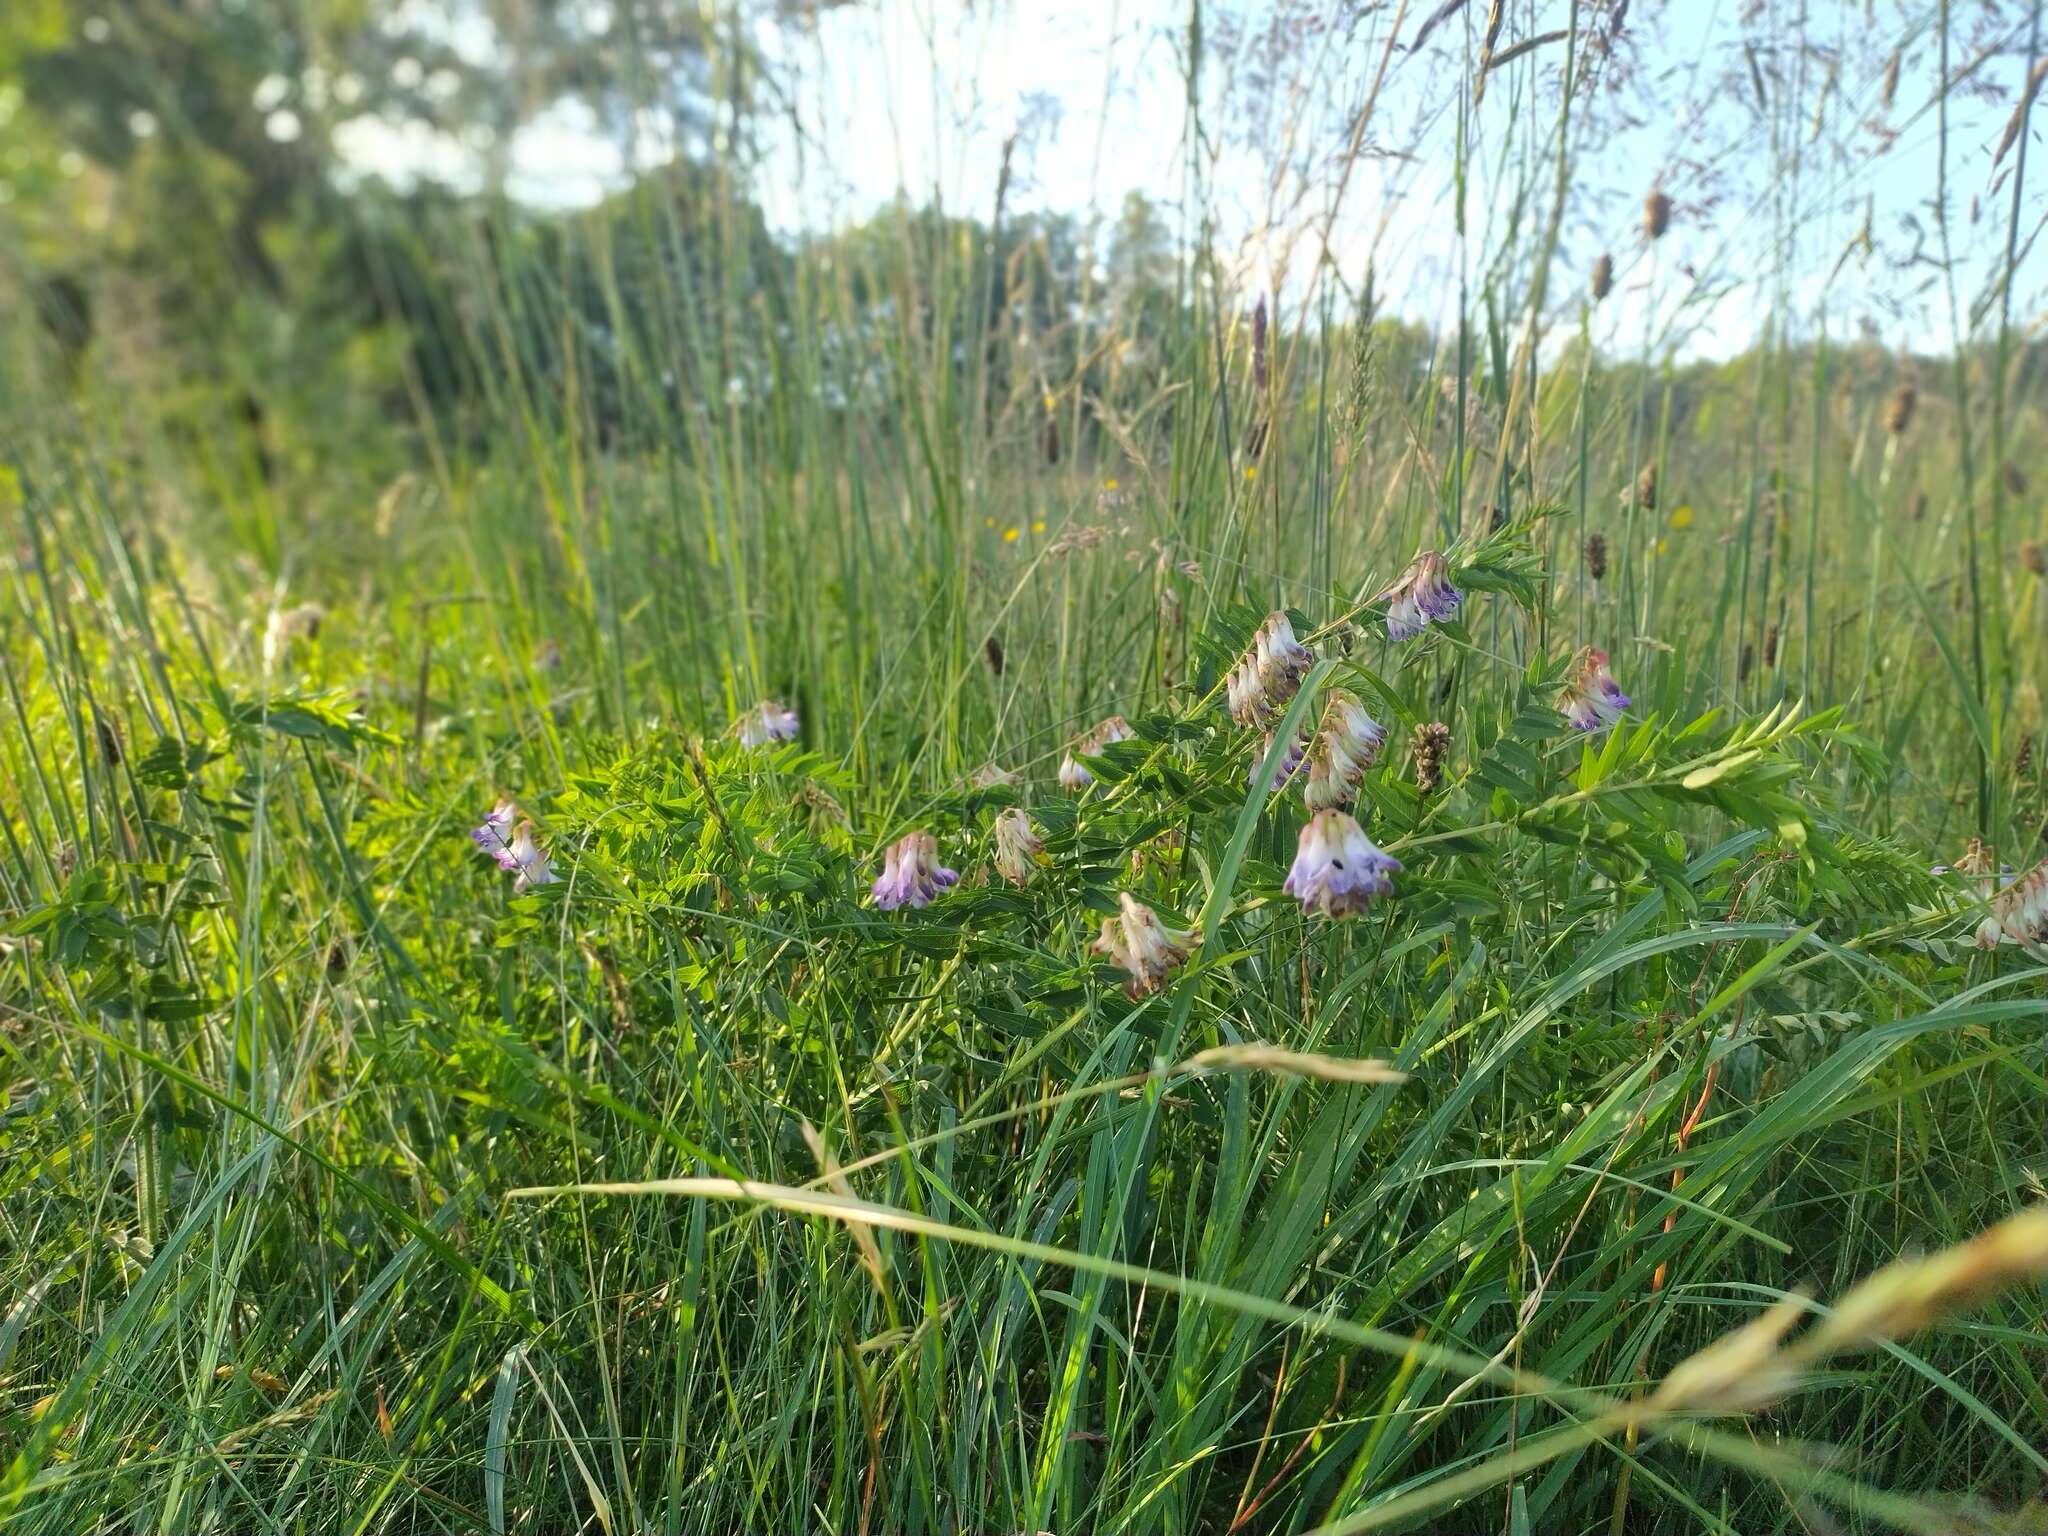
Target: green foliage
x: 345, y: 1186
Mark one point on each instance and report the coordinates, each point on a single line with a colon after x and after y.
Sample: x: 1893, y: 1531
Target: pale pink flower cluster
x: 1347, y: 742
x: 1268, y: 674
x: 508, y: 838
x: 2019, y: 913
x: 1423, y: 596
x: 1592, y: 700
x: 1141, y: 946
x: 767, y: 721
x: 1337, y: 869
x: 1074, y: 775
x: 912, y: 874
x: 1019, y: 848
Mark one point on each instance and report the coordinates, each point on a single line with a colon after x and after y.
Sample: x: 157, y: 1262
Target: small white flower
x: 1337, y: 870
x: 1143, y: 947
x: 1019, y: 849
x: 1074, y: 776
x: 911, y: 873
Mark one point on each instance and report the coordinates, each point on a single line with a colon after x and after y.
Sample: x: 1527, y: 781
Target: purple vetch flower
x: 493, y: 837
x: 767, y: 721
x: 912, y: 874
x: 1019, y: 849
x: 1347, y: 742
x: 1074, y: 776
x: 1144, y: 948
x: 1268, y: 674
x: 2019, y: 913
x: 1290, y: 761
x: 1337, y: 870
x: 508, y: 838
x: 1592, y: 700
x: 1424, y: 595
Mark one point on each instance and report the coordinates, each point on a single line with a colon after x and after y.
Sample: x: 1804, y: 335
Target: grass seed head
x: 1737, y: 1373
x: 1898, y: 412
x: 1430, y: 750
x: 1656, y: 215
x: 1603, y: 277
x: 1905, y: 1297
x: 1596, y: 556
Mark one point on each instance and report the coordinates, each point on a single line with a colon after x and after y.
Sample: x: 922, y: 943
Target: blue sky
x: 919, y: 95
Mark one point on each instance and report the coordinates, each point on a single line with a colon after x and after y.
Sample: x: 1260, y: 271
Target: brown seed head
x: 1646, y: 488
x: 1596, y: 556
x: 1430, y: 749
x: 2015, y: 482
x: 1603, y: 277
x: 1898, y: 415
x: 2034, y: 558
x: 1771, y: 645
x: 1656, y: 215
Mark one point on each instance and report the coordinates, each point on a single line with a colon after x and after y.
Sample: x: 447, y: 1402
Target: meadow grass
x: 346, y: 1189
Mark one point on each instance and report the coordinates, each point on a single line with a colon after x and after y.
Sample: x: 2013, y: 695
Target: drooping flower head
x: 1268, y: 674
x: 508, y: 838
x: 1592, y: 700
x: 2019, y: 913
x: 912, y: 874
x: 289, y: 625
x: 767, y: 721
x: 1074, y: 776
x: 994, y: 776
x: 1337, y: 870
x: 1290, y: 761
x: 1019, y: 849
x: 1142, y: 946
x: 1348, y: 742
x: 1424, y: 595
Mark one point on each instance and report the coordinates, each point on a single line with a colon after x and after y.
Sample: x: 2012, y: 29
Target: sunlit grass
x: 347, y: 1188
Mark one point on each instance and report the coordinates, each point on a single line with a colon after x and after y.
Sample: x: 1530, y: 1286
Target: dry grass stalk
x: 1254, y: 1056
